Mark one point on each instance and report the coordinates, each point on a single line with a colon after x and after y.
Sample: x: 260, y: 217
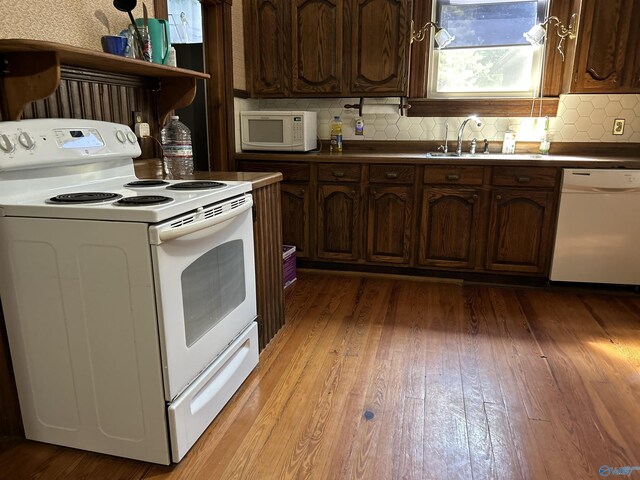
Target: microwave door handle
x: 164, y: 235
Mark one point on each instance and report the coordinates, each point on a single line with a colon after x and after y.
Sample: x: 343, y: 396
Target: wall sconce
x: 537, y: 33
x: 442, y: 36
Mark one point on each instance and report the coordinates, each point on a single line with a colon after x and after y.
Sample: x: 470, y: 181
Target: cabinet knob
x: 391, y: 175
x: 337, y: 174
x: 523, y: 179
x: 353, y: 192
x: 498, y: 197
x: 473, y: 198
x: 452, y: 176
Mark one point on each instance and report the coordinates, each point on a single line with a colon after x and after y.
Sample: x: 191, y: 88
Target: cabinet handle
x: 473, y: 199
x: 453, y: 176
x: 498, y: 197
x: 337, y: 174
x: 391, y: 175
x: 353, y: 192
x: 523, y: 179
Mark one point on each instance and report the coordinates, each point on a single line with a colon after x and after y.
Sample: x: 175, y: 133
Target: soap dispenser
x: 545, y: 141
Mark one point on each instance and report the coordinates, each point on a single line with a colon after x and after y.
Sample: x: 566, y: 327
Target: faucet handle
x: 472, y: 149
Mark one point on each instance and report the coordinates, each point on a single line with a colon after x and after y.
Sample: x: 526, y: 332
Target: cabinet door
x: 317, y: 46
x: 389, y: 224
x: 449, y: 227
x: 338, y: 222
x: 379, y: 35
x: 267, y: 43
x: 606, y: 46
x: 295, y: 217
x: 520, y: 230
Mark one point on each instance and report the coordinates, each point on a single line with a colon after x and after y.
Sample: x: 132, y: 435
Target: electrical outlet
x: 137, y: 117
x: 142, y: 130
x: 618, y: 126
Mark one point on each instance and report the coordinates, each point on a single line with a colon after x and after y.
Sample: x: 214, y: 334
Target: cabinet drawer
x: 455, y: 175
x: 338, y: 172
x: 392, y: 174
x: 524, y: 176
x: 290, y: 171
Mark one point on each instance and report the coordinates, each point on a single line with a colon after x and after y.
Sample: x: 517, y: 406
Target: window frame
x: 556, y: 74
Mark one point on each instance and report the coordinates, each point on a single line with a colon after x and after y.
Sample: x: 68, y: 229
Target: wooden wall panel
x: 267, y: 230
x: 10, y: 419
x: 93, y: 95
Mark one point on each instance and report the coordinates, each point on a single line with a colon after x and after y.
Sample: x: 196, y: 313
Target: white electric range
x: 129, y: 304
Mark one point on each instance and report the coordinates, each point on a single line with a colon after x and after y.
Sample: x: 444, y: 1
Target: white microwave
x: 279, y: 131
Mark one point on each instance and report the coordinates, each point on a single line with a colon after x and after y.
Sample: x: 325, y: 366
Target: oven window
x: 212, y: 286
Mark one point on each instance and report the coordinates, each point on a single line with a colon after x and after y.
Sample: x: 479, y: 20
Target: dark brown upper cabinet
x: 267, y: 46
x: 316, y: 40
x: 380, y: 34
x: 607, y: 58
x: 327, y: 47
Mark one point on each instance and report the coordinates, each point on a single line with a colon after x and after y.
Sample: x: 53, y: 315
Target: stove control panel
x: 40, y: 143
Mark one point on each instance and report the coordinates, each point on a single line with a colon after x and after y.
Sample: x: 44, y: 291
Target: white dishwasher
x: 598, y: 233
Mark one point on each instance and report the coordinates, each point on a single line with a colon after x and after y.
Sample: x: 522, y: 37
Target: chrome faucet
x: 460, y: 130
x: 445, y: 147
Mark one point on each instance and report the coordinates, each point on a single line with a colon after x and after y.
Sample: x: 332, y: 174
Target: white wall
x: 64, y: 21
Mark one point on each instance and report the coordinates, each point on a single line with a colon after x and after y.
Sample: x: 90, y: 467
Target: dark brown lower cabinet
x: 449, y: 227
x: 338, y: 226
x: 520, y: 231
x: 389, y: 226
x: 295, y: 217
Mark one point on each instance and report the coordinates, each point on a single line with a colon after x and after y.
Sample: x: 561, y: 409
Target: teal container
x: 160, y: 39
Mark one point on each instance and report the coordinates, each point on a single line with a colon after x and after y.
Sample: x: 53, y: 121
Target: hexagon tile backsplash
x: 581, y: 118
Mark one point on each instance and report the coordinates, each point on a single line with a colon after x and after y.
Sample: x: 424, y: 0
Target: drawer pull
x: 391, y: 175
x: 337, y: 174
x: 523, y: 179
x: 453, y: 176
x: 473, y: 198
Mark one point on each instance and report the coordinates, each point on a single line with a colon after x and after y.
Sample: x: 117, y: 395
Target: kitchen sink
x: 492, y: 156
x: 442, y: 154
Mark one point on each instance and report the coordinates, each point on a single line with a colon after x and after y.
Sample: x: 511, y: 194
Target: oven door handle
x: 158, y: 235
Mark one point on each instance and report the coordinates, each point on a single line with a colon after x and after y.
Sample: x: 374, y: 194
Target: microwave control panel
x: 298, y: 128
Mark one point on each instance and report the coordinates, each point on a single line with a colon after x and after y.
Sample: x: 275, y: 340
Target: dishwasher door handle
x: 583, y: 189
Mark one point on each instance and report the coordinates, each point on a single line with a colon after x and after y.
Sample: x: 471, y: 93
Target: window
x: 489, y: 57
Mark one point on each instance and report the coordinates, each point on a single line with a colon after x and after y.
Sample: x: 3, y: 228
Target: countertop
x: 569, y: 161
x: 152, y: 168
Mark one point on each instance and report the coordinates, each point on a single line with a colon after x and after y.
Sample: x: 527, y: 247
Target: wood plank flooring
x: 376, y: 378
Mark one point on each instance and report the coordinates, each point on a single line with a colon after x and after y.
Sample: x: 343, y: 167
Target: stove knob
x: 132, y: 137
x: 6, y: 145
x: 26, y: 141
x: 121, y: 136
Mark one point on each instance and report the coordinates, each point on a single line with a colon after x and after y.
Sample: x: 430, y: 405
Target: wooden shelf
x: 30, y: 70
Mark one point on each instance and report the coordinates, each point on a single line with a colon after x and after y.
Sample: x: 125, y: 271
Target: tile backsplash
x: 581, y: 118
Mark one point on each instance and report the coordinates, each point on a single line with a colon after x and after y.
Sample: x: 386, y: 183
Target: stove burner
x: 143, y: 200
x: 84, y: 197
x: 202, y: 185
x: 146, y: 183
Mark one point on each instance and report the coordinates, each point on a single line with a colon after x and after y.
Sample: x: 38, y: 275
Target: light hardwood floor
x: 377, y: 378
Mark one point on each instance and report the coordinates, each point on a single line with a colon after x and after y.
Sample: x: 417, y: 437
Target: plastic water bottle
x: 177, y: 150
x: 336, y: 135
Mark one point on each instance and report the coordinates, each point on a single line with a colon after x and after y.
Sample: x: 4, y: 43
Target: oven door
x: 205, y: 286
